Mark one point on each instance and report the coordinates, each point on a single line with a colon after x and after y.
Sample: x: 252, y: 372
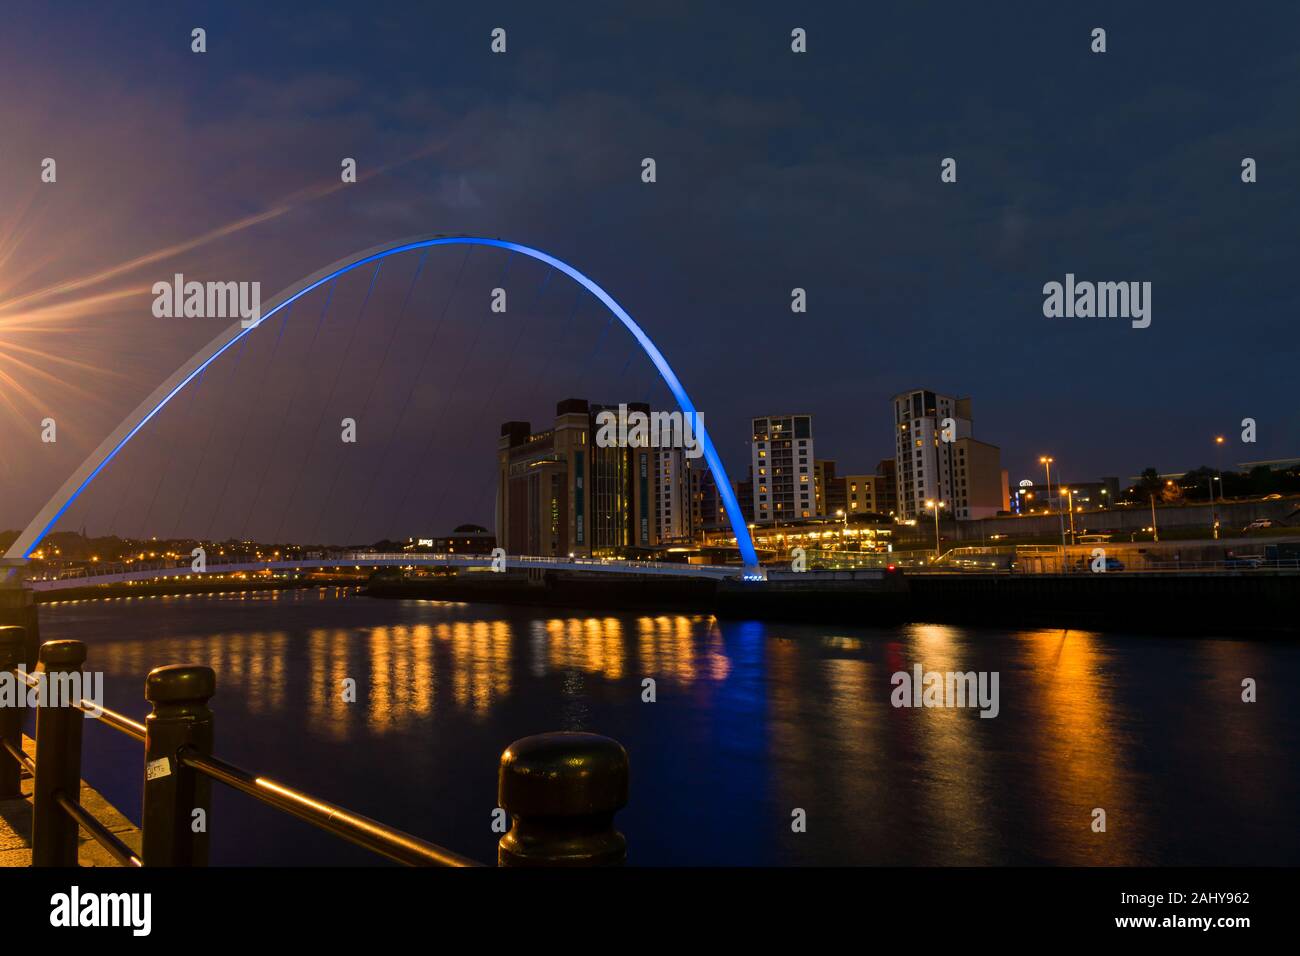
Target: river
x: 752, y: 722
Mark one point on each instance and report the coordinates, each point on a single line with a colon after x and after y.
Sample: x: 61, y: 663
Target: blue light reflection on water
x: 751, y: 721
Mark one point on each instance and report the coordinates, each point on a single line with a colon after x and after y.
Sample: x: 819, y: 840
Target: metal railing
x: 1243, y: 563
x: 1049, y: 559
x: 560, y: 790
x: 45, y: 577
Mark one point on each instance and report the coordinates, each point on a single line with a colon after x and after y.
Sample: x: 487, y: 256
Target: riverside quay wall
x: 1248, y: 603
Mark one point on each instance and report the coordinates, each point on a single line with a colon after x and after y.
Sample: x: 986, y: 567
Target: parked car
x: 1260, y: 523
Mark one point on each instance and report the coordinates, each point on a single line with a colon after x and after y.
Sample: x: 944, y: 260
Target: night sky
x: 775, y: 170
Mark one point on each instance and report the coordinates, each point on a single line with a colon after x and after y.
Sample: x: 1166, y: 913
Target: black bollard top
x: 179, y: 682
x: 63, y: 654
x: 563, y: 775
x: 13, y: 643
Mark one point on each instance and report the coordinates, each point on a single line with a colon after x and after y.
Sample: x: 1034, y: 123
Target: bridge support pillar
x: 18, y: 608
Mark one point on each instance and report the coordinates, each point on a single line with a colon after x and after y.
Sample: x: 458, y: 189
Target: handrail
x: 377, y: 837
x: 371, y: 834
x: 100, y: 833
x: 366, y: 559
x: 119, y: 722
x: 560, y: 790
x: 20, y: 755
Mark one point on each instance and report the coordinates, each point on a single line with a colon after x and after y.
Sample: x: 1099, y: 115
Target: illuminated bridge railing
x: 114, y: 572
x: 561, y: 790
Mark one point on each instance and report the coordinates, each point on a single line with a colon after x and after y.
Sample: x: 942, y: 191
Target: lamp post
x: 1069, y: 493
x: 1047, y: 461
x: 1155, y: 532
x: 935, y: 506
x: 1218, y: 451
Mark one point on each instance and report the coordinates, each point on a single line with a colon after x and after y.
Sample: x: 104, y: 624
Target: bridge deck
x: 119, y: 574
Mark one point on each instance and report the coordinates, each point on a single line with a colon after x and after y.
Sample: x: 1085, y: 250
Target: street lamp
x: 1046, y: 462
x: 1070, y: 493
x: 935, y: 506
x: 1218, y: 452
x: 1155, y: 532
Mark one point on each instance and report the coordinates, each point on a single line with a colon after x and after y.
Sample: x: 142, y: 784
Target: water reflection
x: 590, y: 644
x: 752, y: 721
x: 953, y: 751
x: 1069, y: 695
x: 393, y: 672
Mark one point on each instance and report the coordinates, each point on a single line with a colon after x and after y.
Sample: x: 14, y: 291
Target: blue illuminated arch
x: 108, y: 449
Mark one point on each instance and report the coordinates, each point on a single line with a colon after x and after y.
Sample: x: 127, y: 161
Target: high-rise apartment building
x: 781, y: 455
x: 938, y: 459
x: 708, y: 513
x: 675, y: 519
x: 559, y: 493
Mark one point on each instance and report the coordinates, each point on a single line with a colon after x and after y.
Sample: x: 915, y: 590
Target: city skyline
x: 909, y: 280
x: 737, y: 472
x: 674, y: 492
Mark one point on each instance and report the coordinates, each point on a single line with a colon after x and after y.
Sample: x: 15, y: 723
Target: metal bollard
x: 562, y: 791
x: 58, y: 757
x: 174, y: 834
x: 18, y: 607
x: 12, y: 654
